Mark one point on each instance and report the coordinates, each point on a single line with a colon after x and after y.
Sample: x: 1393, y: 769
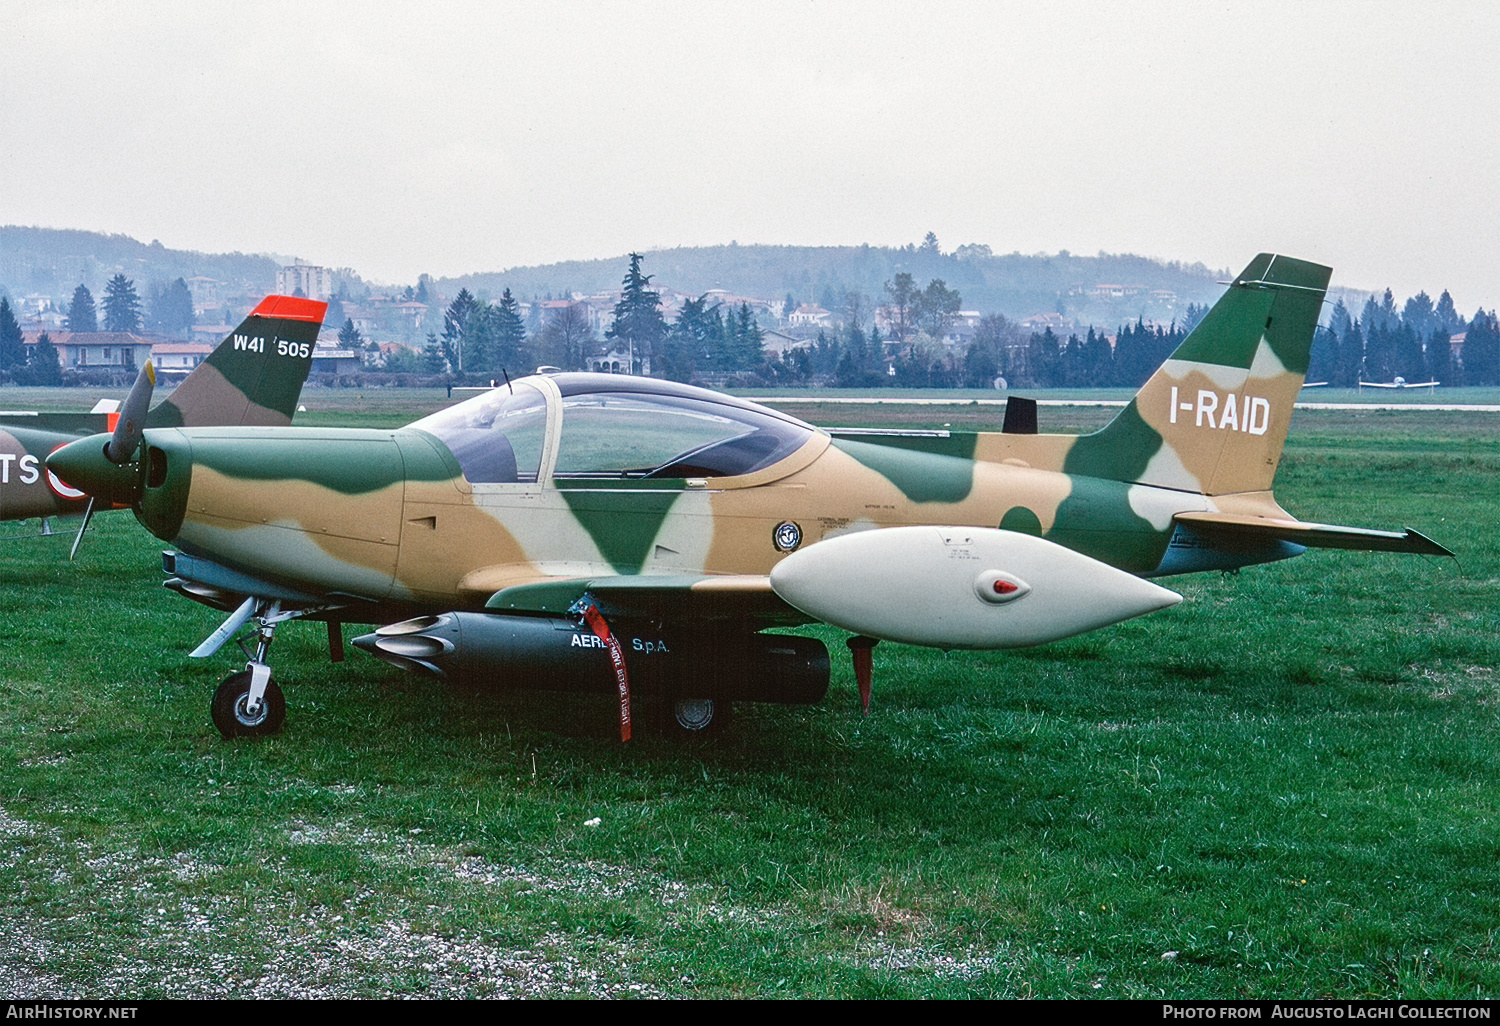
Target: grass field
x: 1284, y: 786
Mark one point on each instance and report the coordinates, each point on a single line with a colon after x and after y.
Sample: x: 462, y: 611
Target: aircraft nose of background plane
x: 84, y: 465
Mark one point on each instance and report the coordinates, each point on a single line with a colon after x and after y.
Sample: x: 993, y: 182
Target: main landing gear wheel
x: 697, y: 717
x: 233, y: 716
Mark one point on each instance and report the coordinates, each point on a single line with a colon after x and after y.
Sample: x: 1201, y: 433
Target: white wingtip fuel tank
x: 960, y: 587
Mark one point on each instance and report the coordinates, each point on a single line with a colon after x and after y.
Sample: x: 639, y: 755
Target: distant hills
x: 1104, y: 289
x: 1014, y: 284
x: 54, y: 261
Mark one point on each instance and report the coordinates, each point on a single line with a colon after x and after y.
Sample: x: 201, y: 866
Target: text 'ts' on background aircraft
x: 253, y: 377
x: 628, y: 535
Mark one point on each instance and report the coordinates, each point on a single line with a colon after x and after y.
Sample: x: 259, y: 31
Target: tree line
x: 1413, y: 343
x: 169, y: 311
x: 483, y: 340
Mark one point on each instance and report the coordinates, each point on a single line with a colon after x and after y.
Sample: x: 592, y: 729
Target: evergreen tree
x: 455, y: 318
x: 510, y: 336
x: 694, y: 338
x: 1448, y: 315
x: 1099, y: 361
x: 825, y: 352
x: 1410, y: 360
x: 1073, y: 371
x: 1482, y: 350
x: 122, y: 307
x: 1339, y: 319
x: 1380, y: 351
x: 42, y: 366
x: 981, y: 365
x: 82, y: 316
x: 1350, y: 358
x: 1440, y: 359
x: 349, y: 335
x: 171, y: 309
x: 638, y: 320
x: 1139, y: 350
x: 1418, y: 314
x: 1043, y: 359
x: 1191, y: 316
x: 12, y: 345
x: 861, y: 361
x: 1388, y: 315
x: 1321, y: 360
x: 434, y: 361
x: 749, y: 341
x: 477, y: 349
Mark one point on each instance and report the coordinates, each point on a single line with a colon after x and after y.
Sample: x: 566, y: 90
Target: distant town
x: 862, y: 317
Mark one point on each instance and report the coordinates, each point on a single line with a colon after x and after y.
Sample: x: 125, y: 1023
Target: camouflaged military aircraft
x: 635, y: 536
x: 253, y: 377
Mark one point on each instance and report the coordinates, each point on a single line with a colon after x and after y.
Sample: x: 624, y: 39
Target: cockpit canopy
x: 613, y: 427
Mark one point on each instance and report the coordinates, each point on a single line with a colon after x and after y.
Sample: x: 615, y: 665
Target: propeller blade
x: 88, y: 514
x: 127, y: 436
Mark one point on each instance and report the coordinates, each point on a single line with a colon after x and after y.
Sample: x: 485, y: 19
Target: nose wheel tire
x: 231, y: 708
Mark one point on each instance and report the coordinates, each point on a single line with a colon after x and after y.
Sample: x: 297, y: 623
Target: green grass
x: 1283, y: 786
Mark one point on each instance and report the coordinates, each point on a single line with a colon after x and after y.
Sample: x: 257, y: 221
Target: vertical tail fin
x: 255, y: 376
x: 1214, y: 417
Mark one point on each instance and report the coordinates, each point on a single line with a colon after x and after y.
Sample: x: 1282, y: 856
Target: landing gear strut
x: 249, y: 703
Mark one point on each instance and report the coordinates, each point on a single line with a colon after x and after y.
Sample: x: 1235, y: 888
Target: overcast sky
x: 410, y: 137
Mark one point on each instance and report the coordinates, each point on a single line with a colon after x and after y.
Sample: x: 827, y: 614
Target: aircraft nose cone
x: 84, y: 465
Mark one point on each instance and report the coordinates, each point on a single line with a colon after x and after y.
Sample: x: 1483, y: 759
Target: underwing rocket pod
x: 960, y: 587
x: 556, y: 654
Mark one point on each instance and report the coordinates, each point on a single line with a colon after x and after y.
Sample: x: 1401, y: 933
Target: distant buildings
x: 1061, y: 326
x: 97, y: 350
x: 304, y: 280
x: 121, y: 351
x: 810, y: 315
x: 178, y: 358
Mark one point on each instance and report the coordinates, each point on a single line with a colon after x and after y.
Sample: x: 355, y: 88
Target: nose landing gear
x: 249, y: 703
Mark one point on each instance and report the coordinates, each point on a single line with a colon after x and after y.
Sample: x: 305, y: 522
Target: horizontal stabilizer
x: 1320, y: 536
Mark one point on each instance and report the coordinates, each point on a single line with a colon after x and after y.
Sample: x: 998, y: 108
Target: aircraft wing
x: 1228, y: 526
x: 742, y: 598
